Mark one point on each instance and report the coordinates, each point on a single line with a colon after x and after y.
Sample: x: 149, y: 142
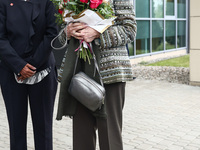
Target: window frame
x: 175, y: 10
x: 164, y: 19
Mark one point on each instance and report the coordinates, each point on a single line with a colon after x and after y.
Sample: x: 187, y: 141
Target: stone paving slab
x: 157, y: 116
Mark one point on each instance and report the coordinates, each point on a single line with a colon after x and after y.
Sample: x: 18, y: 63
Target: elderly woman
x: 115, y: 70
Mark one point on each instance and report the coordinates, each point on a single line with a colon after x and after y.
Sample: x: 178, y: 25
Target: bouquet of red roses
x: 98, y: 14
x: 77, y: 6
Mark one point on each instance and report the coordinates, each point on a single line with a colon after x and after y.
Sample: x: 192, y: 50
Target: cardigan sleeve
x: 125, y: 27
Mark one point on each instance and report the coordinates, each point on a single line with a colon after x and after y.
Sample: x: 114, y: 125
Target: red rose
x: 60, y: 11
x: 65, y: 1
x: 84, y: 1
x: 95, y: 3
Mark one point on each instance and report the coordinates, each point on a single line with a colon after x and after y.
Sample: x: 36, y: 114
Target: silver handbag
x: 87, y: 91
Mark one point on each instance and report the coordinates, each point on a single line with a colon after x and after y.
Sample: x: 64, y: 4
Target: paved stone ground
x: 158, y: 116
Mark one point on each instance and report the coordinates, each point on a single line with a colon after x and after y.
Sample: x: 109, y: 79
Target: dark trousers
x: 41, y: 97
x: 109, y: 129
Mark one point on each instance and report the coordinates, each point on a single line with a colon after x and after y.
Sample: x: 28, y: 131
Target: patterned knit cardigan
x: 114, y: 61
x: 111, y: 53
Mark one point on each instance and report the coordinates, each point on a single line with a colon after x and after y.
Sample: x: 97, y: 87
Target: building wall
x: 194, y: 42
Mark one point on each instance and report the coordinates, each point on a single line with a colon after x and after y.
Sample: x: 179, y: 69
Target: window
x: 142, y: 8
x: 181, y: 8
x: 170, y: 33
x: 157, y: 36
x: 131, y: 49
x: 157, y: 9
x: 143, y: 37
x: 181, y: 39
x: 161, y: 26
x: 170, y: 8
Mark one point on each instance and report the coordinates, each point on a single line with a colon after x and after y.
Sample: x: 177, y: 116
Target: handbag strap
x: 64, y: 45
x: 96, y: 67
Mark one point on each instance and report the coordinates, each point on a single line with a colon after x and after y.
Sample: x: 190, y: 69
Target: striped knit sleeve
x: 125, y: 27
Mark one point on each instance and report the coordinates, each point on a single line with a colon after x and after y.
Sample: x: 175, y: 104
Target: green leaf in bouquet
x: 105, y: 10
x: 59, y: 19
x: 85, y: 54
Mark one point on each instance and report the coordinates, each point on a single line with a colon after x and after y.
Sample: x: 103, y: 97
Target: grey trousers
x: 109, y: 129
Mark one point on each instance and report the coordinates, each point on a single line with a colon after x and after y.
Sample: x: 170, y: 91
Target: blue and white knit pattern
x: 115, y: 65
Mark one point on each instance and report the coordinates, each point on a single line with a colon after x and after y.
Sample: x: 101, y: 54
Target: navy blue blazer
x: 26, y: 30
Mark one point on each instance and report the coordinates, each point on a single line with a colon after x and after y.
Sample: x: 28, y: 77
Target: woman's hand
x: 73, y: 29
x: 89, y: 34
x: 27, y: 72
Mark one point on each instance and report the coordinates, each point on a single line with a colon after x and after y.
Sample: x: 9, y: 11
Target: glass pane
x: 181, y: 8
x: 181, y: 41
x: 142, y: 8
x: 143, y: 37
x: 157, y: 9
x: 157, y: 36
x: 170, y: 34
x: 170, y: 8
x: 131, y: 49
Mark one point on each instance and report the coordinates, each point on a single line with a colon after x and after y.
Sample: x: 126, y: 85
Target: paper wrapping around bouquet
x: 92, y: 19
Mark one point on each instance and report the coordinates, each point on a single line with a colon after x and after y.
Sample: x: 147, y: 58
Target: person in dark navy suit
x: 27, y: 69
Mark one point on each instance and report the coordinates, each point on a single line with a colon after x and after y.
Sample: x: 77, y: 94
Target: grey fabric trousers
x: 109, y: 129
